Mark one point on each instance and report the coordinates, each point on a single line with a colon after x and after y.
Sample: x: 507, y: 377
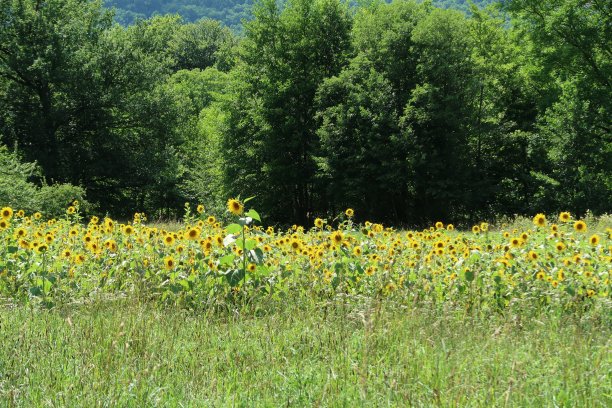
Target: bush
x: 19, y: 188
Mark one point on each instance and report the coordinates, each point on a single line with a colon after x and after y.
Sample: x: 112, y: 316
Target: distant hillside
x: 230, y: 12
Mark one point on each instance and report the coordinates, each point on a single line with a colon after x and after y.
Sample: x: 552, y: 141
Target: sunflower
x: 128, y: 230
x: 539, y: 220
x: 234, y: 206
x: 594, y: 240
x: 6, y: 213
x: 193, y: 234
x: 564, y: 216
x: 580, y: 226
x: 439, y: 225
x: 560, y: 246
x: 357, y: 251
x: 337, y: 237
x: 200, y: 209
x: 169, y: 239
x: 450, y: 227
x: 515, y: 242
x: 251, y: 267
x: 37, y: 216
x: 533, y: 255
x: 71, y: 210
x: 475, y: 229
x: 318, y: 222
x: 484, y: 227
x: 169, y: 263
x: 4, y: 224
x: 349, y: 212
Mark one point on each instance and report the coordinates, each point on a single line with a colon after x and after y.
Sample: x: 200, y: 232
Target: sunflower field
x: 203, y: 263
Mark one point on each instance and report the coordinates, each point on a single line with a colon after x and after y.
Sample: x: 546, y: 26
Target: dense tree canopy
x: 405, y: 111
x: 231, y: 12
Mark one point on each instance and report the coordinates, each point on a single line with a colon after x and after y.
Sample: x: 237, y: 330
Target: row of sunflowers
x: 204, y: 263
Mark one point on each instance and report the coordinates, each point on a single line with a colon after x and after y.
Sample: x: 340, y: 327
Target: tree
x: 271, y: 140
x: 572, y: 46
x: 81, y: 98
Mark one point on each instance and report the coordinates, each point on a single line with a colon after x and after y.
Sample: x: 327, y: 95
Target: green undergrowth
x: 368, y: 353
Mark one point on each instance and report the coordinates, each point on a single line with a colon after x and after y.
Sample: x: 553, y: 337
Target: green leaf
x: 248, y: 199
x: 254, y: 215
x: 12, y: 249
x: 250, y: 244
x: 469, y: 276
x: 234, y: 277
x: 256, y: 256
x: 233, y: 229
x: 227, y: 259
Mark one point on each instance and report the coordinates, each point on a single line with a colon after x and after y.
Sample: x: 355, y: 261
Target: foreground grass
x: 129, y: 354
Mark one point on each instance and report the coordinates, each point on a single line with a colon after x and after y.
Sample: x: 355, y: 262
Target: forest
x: 230, y: 12
x: 406, y: 112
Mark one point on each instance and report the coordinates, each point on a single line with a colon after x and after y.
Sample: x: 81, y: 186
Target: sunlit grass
x: 374, y: 354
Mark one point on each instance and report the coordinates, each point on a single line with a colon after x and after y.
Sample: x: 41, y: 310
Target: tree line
x: 405, y: 112
x: 230, y: 12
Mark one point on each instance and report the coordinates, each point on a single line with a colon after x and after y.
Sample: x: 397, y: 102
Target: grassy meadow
x: 124, y: 353
x: 202, y: 313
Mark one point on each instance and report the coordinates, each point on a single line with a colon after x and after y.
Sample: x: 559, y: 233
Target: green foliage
x: 18, y: 188
x: 271, y: 139
x: 363, y: 355
x: 230, y: 12
x: 407, y: 112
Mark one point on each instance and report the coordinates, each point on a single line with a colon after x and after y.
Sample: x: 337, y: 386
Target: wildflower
x: 594, y: 240
x: 580, y: 226
x: 475, y: 229
x: 6, y: 213
x: 391, y: 287
x: 193, y: 234
x: 169, y: 239
x: 337, y: 237
x: 439, y: 225
x: 71, y: 210
x: 349, y: 212
x: 318, y: 222
x: 539, y: 220
x: 564, y: 217
x: 234, y: 206
x: 169, y: 263
x: 200, y: 209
